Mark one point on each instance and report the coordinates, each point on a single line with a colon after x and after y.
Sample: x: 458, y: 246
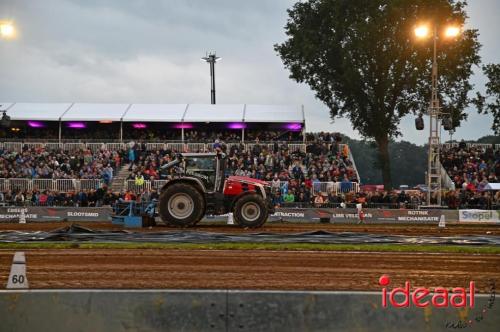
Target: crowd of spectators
x: 153, y: 133
x: 292, y: 173
x: 38, y: 163
x: 101, y: 196
x: 471, y: 168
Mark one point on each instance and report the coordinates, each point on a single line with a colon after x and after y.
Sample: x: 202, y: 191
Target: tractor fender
x: 197, y: 183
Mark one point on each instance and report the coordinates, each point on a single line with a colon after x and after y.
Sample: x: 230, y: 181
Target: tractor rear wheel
x: 250, y: 211
x: 181, y: 205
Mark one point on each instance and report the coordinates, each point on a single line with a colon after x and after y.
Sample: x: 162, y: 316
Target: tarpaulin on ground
x: 77, y: 233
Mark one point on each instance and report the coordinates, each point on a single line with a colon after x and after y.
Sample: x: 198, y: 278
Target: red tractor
x: 198, y: 187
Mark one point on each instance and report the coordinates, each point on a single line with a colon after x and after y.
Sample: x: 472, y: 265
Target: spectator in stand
x: 131, y: 156
x: 139, y: 180
x: 319, y: 200
x: 278, y: 199
x: 19, y: 198
x: 471, y: 168
x: 289, y: 197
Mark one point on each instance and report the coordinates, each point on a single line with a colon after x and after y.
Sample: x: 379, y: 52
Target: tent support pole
x: 59, y: 131
x: 242, y: 135
x: 304, y: 133
x: 121, y: 131
x: 182, y: 134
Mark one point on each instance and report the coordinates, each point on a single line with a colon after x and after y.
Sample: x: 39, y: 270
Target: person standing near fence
x: 131, y: 156
x: 361, y: 213
x: 139, y: 180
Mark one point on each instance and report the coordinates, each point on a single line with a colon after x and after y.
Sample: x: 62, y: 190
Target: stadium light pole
x: 433, y: 163
x: 212, y: 58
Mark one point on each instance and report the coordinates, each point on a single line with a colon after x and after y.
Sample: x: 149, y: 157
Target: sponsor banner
x: 43, y: 213
x: 371, y: 215
x: 35, y: 214
x: 479, y: 216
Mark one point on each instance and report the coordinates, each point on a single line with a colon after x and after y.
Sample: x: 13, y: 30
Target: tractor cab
x: 207, y: 167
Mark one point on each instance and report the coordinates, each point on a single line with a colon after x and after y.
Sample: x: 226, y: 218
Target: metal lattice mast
x: 434, y: 165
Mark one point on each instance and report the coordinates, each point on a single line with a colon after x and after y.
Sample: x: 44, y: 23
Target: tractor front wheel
x: 250, y: 211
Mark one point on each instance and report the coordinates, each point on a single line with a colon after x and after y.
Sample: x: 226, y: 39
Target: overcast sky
x: 148, y: 51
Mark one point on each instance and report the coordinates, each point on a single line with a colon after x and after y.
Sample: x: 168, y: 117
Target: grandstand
x: 471, y: 169
x: 64, y: 154
x: 64, y: 151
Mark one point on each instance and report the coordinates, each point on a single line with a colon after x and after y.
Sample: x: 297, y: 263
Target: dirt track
x: 283, y: 228
x: 254, y: 269
x: 248, y: 269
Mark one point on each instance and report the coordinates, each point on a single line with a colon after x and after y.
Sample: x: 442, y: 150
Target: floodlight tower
x: 212, y: 58
x: 434, y: 185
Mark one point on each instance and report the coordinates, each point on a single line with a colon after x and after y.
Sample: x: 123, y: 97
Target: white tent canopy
x: 95, y: 112
x: 38, y: 111
x: 154, y: 112
x: 214, y: 113
x: 4, y: 106
x: 274, y: 113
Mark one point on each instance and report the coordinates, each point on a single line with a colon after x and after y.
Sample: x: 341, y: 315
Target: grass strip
x: 255, y: 246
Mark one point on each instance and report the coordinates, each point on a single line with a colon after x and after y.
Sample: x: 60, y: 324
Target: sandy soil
x: 249, y: 269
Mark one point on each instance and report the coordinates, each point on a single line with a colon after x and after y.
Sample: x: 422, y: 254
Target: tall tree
x: 491, y: 102
x: 362, y: 61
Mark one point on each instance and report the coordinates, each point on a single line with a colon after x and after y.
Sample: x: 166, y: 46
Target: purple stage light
x: 76, y: 125
x: 183, y: 125
x: 36, y: 124
x: 236, y: 125
x: 139, y: 126
x: 294, y: 126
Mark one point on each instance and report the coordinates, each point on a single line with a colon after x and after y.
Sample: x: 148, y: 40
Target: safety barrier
x: 231, y: 310
x: 137, y: 188
x: 114, y: 146
x: 176, y: 147
x: 472, y: 145
x: 324, y: 188
x: 155, y: 146
x: 65, y: 185
x: 94, y: 145
x: 155, y: 184
x: 61, y: 185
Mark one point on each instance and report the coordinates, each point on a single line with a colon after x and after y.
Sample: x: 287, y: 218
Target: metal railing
x: 473, y: 145
x: 115, y: 146
x: 369, y: 205
x: 60, y: 185
x: 155, y: 184
x: 324, y: 188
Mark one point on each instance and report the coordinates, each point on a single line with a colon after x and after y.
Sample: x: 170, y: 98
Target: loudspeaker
x: 447, y: 123
x: 419, y: 123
